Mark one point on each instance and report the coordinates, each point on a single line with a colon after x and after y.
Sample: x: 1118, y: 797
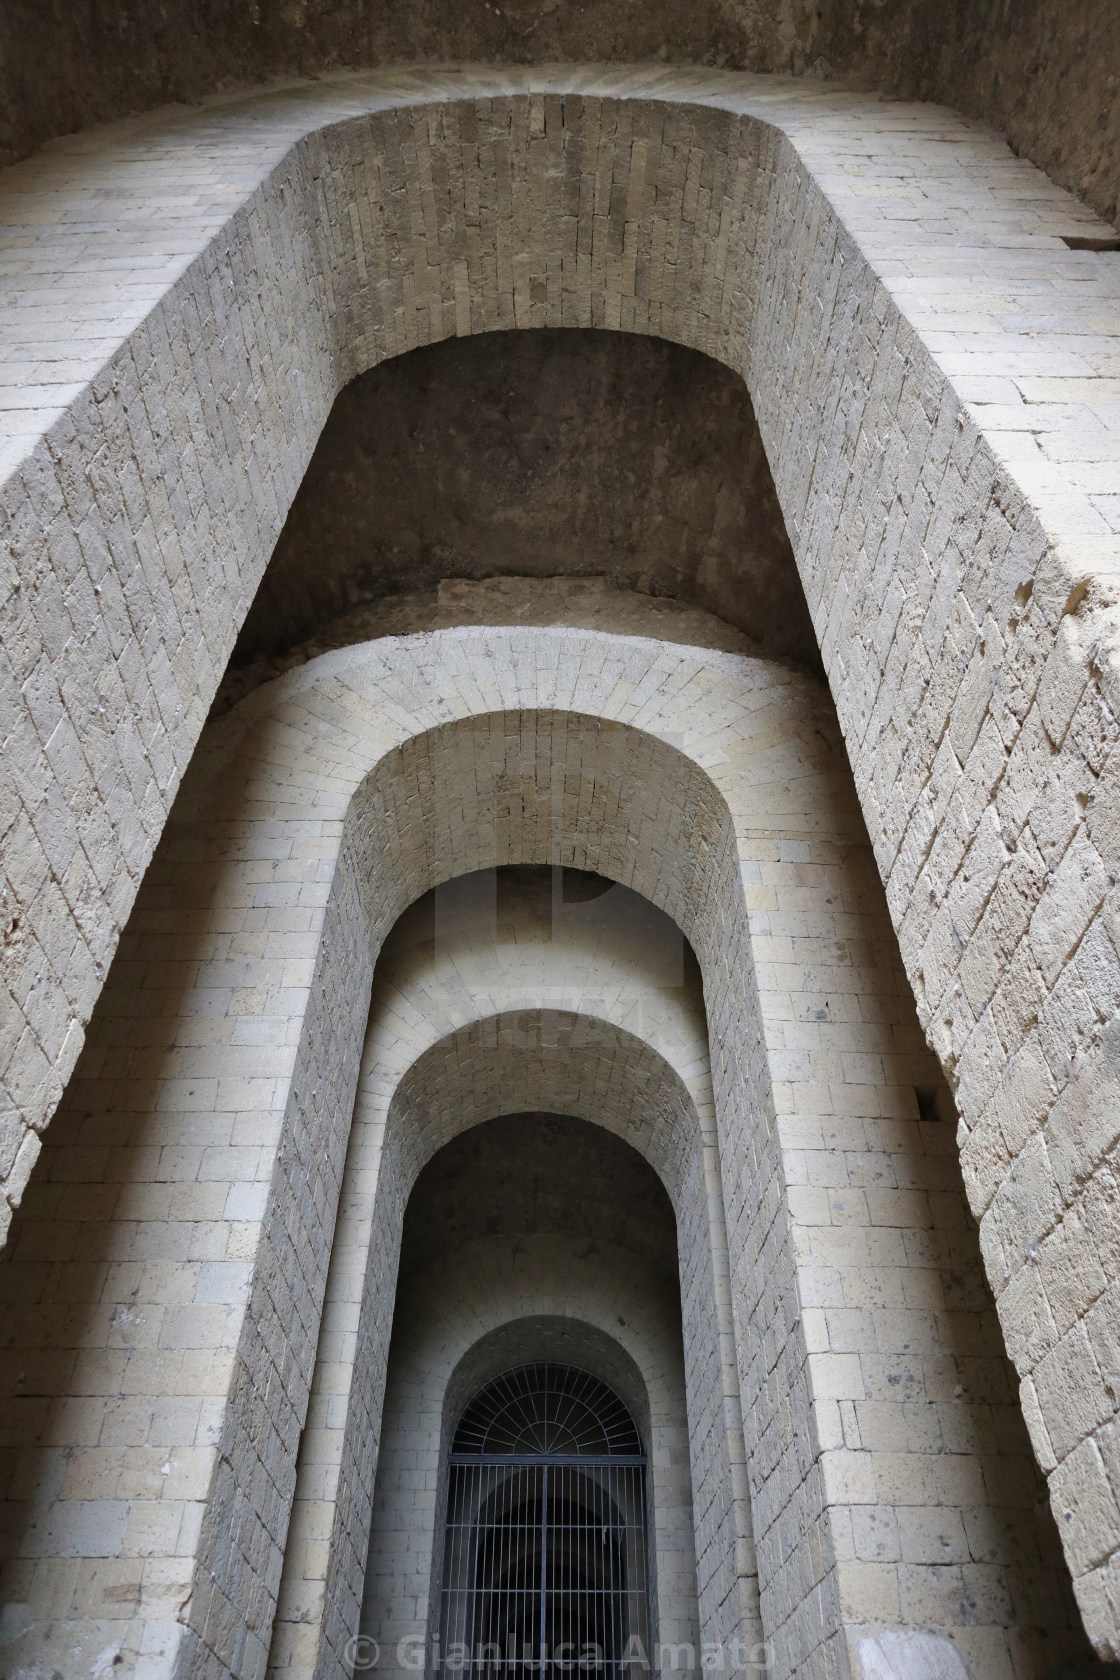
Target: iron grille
x: 545, y: 1558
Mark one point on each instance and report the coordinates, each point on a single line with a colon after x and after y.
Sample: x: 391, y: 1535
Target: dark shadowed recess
x: 539, y: 1175
x: 1042, y: 71
x: 552, y: 453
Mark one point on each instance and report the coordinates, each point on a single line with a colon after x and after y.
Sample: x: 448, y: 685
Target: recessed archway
x: 693, y: 208
x: 710, y: 783
x: 564, y: 475
x: 603, y: 1019
x: 489, y: 1283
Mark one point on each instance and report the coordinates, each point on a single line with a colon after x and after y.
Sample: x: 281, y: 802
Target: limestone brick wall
x: 932, y: 373
x: 716, y: 787
x: 157, y: 419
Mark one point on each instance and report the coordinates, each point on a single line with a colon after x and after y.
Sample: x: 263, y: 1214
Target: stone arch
x: 609, y: 1049
x: 714, y: 784
x: 721, y: 216
x: 380, y: 744
x: 579, y: 1064
x: 641, y: 1368
x: 587, y: 1067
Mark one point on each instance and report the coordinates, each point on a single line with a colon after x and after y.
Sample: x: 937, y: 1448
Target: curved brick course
x: 207, y: 1128
x: 562, y: 1037
x: 933, y: 374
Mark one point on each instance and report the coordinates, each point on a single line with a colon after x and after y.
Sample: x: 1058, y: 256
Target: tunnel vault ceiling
x: 555, y: 453
x: 529, y: 1174
x: 941, y: 573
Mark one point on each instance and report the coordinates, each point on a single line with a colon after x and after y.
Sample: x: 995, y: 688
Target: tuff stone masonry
x: 848, y: 977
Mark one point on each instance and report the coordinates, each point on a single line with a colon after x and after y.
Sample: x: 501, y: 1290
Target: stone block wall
x: 1044, y: 75
x: 156, y: 421
x: 716, y: 787
x: 930, y: 367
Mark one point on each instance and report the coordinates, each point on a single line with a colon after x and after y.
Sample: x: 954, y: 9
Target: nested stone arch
x: 586, y: 1031
x: 335, y: 230
x: 503, y: 1322
x: 361, y: 783
x: 503, y: 786
x: 389, y: 212
x: 358, y: 219
x: 712, y: 783
x: 581, y: 1065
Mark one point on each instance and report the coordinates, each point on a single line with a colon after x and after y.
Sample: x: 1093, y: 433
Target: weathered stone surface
x: 906, y: 1655
x: 1044, y: 74
x: 141, y: 507
x: 561, y: 453
x: 933, y: 376
x: 188, y: 1198
x: 580, y: 603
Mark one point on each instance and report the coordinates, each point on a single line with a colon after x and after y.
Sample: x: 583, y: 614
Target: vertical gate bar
x: 544, y: 1564
x: 610, y: 1594
x: 475, y: 1490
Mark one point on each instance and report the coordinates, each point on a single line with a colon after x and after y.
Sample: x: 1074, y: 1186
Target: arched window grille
x: 545, y: 1570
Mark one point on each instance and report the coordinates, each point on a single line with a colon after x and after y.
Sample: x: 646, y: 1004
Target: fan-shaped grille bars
x: 545, y: 1557
x: 547, y: 1409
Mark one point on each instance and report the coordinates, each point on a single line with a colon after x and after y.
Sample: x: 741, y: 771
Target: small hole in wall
x: 934, y: 1102
x: 1092, y: 241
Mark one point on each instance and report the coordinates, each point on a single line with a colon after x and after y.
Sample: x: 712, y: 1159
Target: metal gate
x: 545, y: 1559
